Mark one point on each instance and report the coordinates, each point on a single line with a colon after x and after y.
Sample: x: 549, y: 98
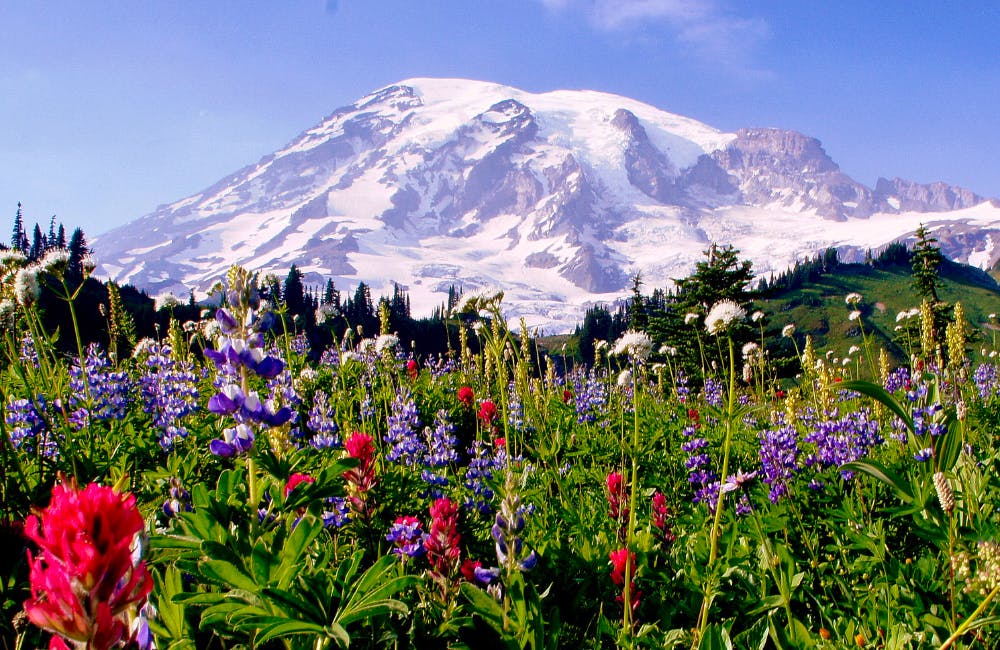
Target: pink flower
x: 487, y: 412
x: 296, y: 479
x: 412, y: 369
x: 84, y: 581
x: 442, y: 541
x: 660, y: 514
x: 623, y: 561
x: 360, y: 479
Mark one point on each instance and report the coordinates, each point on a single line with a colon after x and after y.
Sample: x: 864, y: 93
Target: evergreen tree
x: 18, y: 238
x: 50, y: 239
x: 925, y: 262
x: 61, y: 237
x: 721, y: 277
x: 78, y: 249
x: 637, y: 319
x: 294, y: 292
x: 37, y: 244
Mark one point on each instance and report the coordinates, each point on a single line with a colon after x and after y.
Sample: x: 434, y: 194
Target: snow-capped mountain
x: 558, y: 198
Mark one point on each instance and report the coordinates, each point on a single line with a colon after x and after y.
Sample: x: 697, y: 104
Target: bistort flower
x: 723, y: 315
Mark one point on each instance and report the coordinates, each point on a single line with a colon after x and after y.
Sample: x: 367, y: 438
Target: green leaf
x: 286, y: 627
x: 881, y: 473
x: 228, y: 575
x: 882, y: 396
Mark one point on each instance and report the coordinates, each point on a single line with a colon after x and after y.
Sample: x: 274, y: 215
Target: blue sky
x: 112, y: 108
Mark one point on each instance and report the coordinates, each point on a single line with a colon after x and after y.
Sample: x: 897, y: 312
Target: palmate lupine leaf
x: 370, y: 595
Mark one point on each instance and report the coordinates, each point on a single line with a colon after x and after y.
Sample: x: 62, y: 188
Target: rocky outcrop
x: 907, y: 196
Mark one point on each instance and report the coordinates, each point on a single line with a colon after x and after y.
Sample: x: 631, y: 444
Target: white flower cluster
x: 908, y: 314
x: 637, y: 345
x: 723, y: 315
x: 853, y: 298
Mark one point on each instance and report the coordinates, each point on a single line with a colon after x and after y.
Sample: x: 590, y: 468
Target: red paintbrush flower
x: 84, y: 579
x: 466, y: 397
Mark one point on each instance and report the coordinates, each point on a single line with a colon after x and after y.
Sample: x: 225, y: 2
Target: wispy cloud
x: 705, y: 28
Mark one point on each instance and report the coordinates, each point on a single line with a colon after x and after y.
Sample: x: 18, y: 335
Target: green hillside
x: 819, y: 308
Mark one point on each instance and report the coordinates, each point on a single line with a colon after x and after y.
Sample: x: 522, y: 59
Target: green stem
x: 967, y: 623
x: 717, y: 519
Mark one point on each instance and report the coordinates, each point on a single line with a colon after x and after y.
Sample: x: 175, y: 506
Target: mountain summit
x: 555, y: 197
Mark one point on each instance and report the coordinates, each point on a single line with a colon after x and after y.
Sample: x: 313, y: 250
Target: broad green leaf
x: 881, y: 473
x: 227, y: 574
x: 882, y: 396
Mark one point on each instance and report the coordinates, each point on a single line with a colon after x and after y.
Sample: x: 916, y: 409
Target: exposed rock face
x: 559, y: 198
x: 931, y: 197
x: 790, y: 170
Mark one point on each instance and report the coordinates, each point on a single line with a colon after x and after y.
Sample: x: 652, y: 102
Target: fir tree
x: 78, y: 249
x: 925, y: 262
x: 721, y: 277
x: 37, y: 244
x: 18, y: 238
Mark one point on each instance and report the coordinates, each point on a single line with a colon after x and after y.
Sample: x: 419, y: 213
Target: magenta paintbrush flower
x: 84, y: 579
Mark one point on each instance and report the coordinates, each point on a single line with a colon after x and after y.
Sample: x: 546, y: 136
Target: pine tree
x: 926, y: 261
x: 61, y: 237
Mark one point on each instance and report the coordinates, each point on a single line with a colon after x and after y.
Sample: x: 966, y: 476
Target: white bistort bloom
x: 751, y: 349
x: 788, y: 330
x: 636, y: 345
x: 386, y: 342
x: 625, y: 378
x: 690, y: 317
x: 166, y: 301
x: 756, y: 316
x: 853, y: 298
x: 26, y: 288
x: 723, y: 315
x: 56, y: 261
x: 854, y: 315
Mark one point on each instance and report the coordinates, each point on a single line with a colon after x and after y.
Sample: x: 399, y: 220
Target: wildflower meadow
x: 226, y: 486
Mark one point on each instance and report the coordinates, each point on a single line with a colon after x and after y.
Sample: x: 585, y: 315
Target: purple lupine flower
x: 898, y: 379
x: 681, y: 387
x: 843, y: 440
x: 590, y: 397
x: 484, y: 461
x: 29, y: 354
x: 923, y: 421
x: 407, y: 535
x: 987, y: 380
x: 339, y: 513
x: 322, y: 422
x: 712, y: 391
x: 330, y: 358
x: 26, y: 425
x: 403, y: 435
x: 507, y: 527
x: 102, y: 395
x: 169, y: 390
x: 923, y: 455
x: 699, y: 466
x: 779, y: 459
x: 178, y: 500
x: 439, y: 451
x: 235, y: 440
